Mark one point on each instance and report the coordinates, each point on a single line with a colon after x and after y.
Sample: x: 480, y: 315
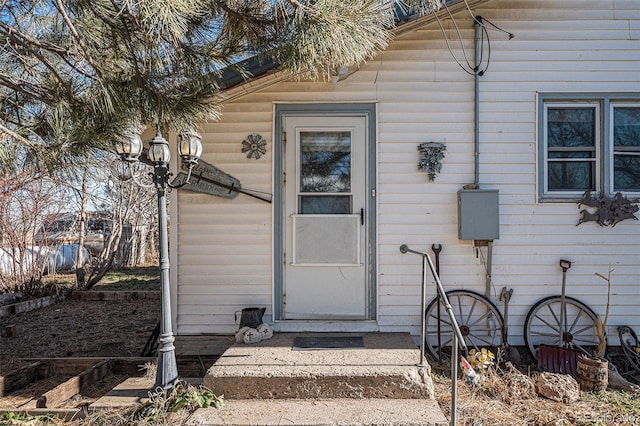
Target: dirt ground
x: 77, y: 328
x: 505, y: 400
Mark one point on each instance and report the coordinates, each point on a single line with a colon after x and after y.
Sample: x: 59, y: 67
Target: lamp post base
x: 167, y: 372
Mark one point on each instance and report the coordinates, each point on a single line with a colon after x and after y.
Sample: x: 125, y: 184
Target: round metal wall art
x: 254, y: 146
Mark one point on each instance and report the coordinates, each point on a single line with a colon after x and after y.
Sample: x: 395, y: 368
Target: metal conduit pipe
x: 457, y: 339
x: 477, y: 26
x: 476, y: 99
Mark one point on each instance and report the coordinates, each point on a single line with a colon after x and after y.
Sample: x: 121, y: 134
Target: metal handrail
x: 457, y: 334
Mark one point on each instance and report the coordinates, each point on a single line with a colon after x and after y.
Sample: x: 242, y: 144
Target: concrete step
x: 321, y: 411
x: 337, y: 411
x: 272, y: 383
x: 272, y: 369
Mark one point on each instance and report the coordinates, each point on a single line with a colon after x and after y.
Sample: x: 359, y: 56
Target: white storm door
x: 325, y: 232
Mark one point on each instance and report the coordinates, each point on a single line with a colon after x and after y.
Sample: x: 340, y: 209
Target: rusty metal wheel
x: 479, y: 320
x: 542, y: 326
x: 631, y: 347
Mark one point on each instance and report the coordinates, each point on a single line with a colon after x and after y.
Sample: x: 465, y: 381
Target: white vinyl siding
x: 224, y: 247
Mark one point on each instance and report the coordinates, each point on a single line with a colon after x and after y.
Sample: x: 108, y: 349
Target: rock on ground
x: 558, y: 387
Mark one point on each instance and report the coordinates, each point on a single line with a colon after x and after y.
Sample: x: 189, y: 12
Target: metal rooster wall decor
x: 608, y: 210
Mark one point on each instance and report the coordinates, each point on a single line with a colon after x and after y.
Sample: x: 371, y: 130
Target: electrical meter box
x: 478, y: 214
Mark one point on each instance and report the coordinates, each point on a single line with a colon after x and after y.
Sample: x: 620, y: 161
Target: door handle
x: 362, y: 216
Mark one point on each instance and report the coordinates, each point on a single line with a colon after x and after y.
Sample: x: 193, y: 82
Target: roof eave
x: 233, y: 84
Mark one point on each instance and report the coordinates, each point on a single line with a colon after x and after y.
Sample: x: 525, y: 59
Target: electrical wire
x: 470, y: 69
x: 487, y: 272
x: 484, y: 33
x: 455, y: 24
x: 497, y: 28
x: 476, y: 68
x: 446, y: 40
x: 480, y: 22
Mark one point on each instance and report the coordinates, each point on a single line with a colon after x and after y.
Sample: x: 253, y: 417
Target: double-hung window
x: 588, y: 143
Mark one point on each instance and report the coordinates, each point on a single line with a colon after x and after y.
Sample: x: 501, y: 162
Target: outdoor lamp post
x: 159, y: 154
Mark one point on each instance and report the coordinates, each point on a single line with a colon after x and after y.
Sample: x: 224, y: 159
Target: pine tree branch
x: 296, y: 4
x: 129, y: 43
x: 22, y: 87
x: 26, y: 40
x: 31, y: 45
x: 76, y: 36
x: 17, y: 137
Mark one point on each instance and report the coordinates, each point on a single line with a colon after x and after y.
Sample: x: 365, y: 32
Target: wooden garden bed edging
x: 85, y: 370
x: 97, y: 296
x: 23, y: 377
x: 27, y: 305
x: 74, y: 386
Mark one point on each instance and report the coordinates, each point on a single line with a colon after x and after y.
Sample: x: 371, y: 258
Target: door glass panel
x: 330, y: 204
x: 325, y: 172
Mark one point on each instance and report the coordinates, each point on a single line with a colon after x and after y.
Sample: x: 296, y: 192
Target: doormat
x: 327, y: 342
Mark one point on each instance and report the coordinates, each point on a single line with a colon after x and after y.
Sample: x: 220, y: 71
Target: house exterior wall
x: 224, y: 247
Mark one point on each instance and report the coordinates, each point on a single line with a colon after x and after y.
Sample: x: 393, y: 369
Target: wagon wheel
x: 542, y: 326
x: 630, y: 346
x: 478, y: 318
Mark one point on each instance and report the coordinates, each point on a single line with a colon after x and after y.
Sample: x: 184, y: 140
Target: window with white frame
x: 589, y: 144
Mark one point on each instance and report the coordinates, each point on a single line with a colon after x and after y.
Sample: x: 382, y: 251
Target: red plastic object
x: 556, y: 359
